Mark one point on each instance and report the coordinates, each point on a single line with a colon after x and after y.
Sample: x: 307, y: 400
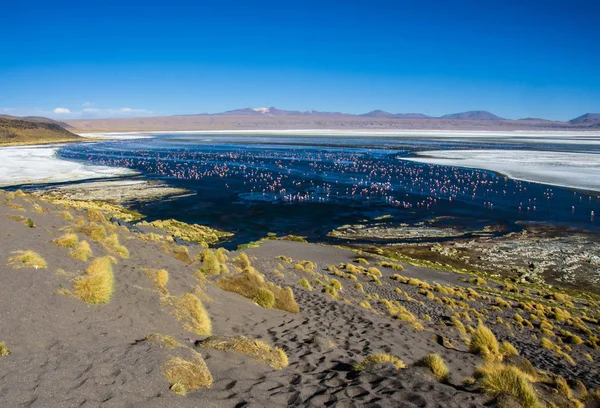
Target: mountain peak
x: 472, y: 115
x: 587, y: 118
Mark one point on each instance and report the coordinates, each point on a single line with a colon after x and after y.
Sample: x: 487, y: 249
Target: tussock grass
x: 163, y: 340
x: 248, y: 284
x: 66, y: 215
x: 210, y: 264
x: 437, y: 366
x: 66, y: 241
x: 255, y: 349
x: 497, y: 379
x: 189, y: 310
x: 507, y: 349
x: 365, y: 304
x: 181, y: 253
x: 95, y: 232
x: 82, y: 251
x: 394, y: 266
x: 188, y: 232
x: 160, y: 278
x: 96, y: 286
x: 264, y: 298
x: 26, y: 259
x: 187, y: 375
x: 478, y: 281
x: 112, y: 245
x: 484, y: 343
x: 4, y: 351
x: 95, y: 215
x: 380, y: 358
x: 305, y: 284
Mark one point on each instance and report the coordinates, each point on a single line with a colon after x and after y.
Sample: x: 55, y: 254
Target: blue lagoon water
x: 252, y: 185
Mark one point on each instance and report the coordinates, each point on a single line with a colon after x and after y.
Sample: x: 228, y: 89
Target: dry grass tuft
x: 160, y: 278
x: 379, y: 358
x: 26, y: 259
x: 497, y: 379
x: 4, y: 351
x: 255, y: 349
x: 248, y: 284
x: 437, y: 366
x: 163, y: 340
x: 190, y: 311
x: 96, y: 215
x: 113, y: 246
x: 264, y: 298
x: 185, y: 375
x: 484, y: 343
x: 305, y: 284
x: 210, y: 263
x: 97, y: 284
x: 181, y: 252
x: 507, y: 349
x: 95, y: 232
x: 66, y: 241
x: 82, y: 251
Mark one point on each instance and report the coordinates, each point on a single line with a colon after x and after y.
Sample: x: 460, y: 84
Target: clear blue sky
x: 103, y: 58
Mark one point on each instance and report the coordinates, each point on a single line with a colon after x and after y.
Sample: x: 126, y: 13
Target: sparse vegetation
x: 248, y: 284
x: 4, y: 351
x: 82, y: 251
x: 189, y: 310
x: 26, y: 259
x: 484, y: 343
x: 187, y: 375
x: 97, y: 284
x: 255, y: 349
x: 305, y: 284
x: 67, y: 241
x: 380, y: 358
x: 496, y: 379
x: 437, y: 366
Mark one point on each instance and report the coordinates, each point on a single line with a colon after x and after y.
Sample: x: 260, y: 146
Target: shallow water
x: 251, y: 185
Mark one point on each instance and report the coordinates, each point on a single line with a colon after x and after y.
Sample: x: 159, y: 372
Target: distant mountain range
x: 588, y: 118
x: 14, y: 129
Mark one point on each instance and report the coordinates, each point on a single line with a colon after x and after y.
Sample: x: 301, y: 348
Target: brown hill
x: 19, y: 131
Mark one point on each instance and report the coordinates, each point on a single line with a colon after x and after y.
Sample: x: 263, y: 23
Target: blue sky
x: 72, y: 59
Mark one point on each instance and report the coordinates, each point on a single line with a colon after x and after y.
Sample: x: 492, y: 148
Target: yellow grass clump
x: 365, y: 304
x: 113, y: 246
x: 181, y: 252
x: 305, y: 284
x: 507, y: 349
x: 160, y: 278
x: 187, y: 375
x: 97, y: 284
x: 210, y: 264
x: 264, y: 298
x: 96, y: 215
x: 82, y: 251
x: 163, y: 340
x: 255, y: 349
x: 191, y: 312
x: 4, y: 351
x: 379, y: 358
x: 95, y: 232
x: 248, y: 284
x: 27, y: 259
x: 484, y: 343
x: 497, y: 379
x: 437, y: 366
x: 66, y: 241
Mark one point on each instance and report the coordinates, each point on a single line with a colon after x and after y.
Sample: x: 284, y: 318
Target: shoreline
x: 38, y: 164
x: 522, y: 165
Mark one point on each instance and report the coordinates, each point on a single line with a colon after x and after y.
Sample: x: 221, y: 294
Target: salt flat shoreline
x: 570, y: 170
x: 36, y: 164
